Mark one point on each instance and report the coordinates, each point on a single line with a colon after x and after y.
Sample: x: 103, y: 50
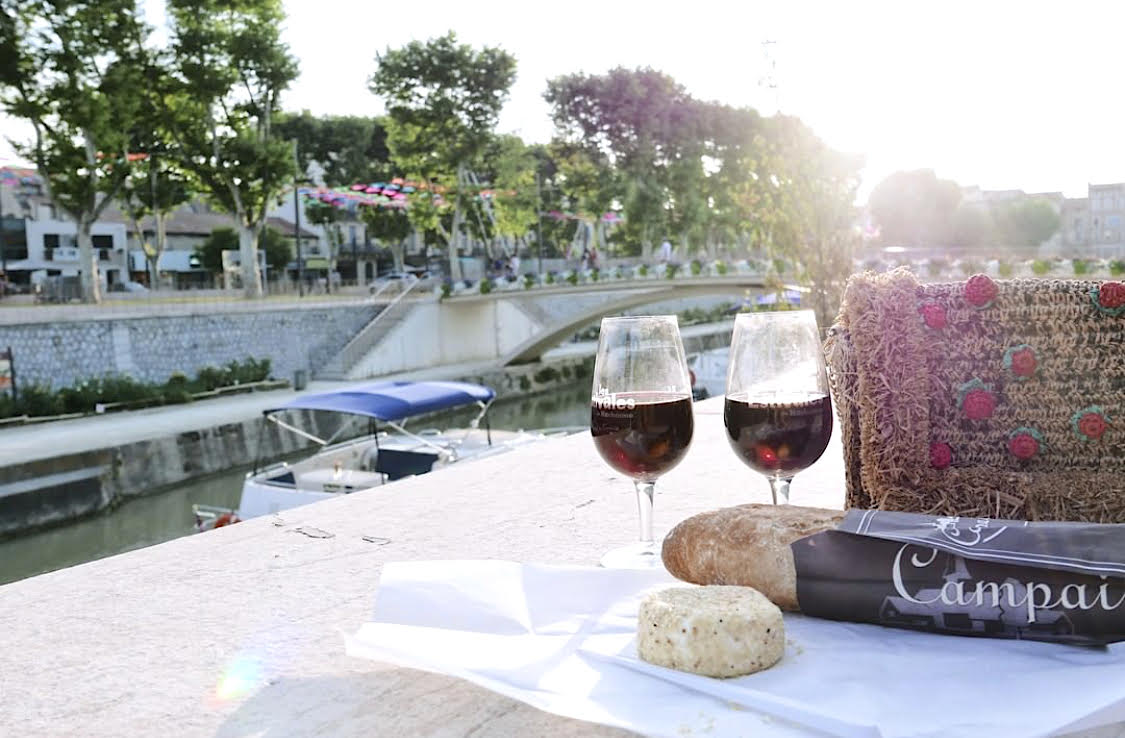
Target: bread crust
x: 746, y: 545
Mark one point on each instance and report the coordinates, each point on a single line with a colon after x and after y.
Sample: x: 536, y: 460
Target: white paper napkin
x: 562, y: 639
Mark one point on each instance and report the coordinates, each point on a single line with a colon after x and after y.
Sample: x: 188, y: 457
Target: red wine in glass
x: 779, y: 435
x: 642, y: 434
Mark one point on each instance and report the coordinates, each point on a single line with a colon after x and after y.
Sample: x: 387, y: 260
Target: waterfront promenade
x: 23, y: 443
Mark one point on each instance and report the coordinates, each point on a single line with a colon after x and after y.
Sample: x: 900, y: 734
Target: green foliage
x: 1081, y: 267
x: 550, y: 279
x: 36, y: 400
x: 1040, y: 268
x: 1027, y: 221
x: 546, y: 374
x: 210, y: 378
x: 278, y: 250
x: 643, y: 270
x: 698, y: 316
x: 566, y: 372
x: 1006, y: 269
x: 528, y: 281
x: 72, y: 70
x: 637, y: 138
x: 696, y: 268
x: 210, y: 252
x: 391, y: 226
x: 350, y: 148
x: 446, y: 290
x: 721, y: 268
x: 1117, y: 267
x: 915, y: 208
x: 595, y: 274
x: 572, y: 278
x: 82, y: 397
x: 443, y: 100
x: 485, y: 286
x: 230, y: 67
x: 525, y: 383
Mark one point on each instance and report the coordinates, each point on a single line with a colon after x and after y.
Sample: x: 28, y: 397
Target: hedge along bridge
x: 509, y: 326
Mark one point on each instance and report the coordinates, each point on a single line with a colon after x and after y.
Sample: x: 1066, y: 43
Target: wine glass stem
x: 779, y: 486
x: 644, y: 507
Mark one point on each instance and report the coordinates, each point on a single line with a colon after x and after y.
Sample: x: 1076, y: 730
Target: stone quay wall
x: 152, y: 348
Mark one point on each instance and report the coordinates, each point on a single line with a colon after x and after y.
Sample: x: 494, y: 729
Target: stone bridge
x: 507, y: 327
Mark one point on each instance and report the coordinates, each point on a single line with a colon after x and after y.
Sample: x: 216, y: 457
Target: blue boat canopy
x: 392, y: 400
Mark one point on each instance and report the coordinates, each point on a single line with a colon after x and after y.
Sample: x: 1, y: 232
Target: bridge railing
x: 363, y: 341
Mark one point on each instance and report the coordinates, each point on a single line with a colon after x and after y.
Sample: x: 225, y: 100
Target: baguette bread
x: 746, y: 545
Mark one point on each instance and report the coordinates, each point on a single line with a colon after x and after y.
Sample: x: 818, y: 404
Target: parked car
x: 135, y: 287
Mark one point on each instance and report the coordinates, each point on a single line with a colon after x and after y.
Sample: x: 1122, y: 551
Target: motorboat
x: 386, y: 453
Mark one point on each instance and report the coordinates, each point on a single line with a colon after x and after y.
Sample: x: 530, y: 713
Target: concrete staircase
x: 338, y: 367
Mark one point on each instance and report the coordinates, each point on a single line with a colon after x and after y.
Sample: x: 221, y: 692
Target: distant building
x: 1107, y: 214
x: 1074, y: 228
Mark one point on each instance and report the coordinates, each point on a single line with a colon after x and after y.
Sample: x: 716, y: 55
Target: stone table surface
x: 240, y: 631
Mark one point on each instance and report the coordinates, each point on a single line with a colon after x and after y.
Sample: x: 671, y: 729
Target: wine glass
x: 640, y: 414
x: 778, y: 413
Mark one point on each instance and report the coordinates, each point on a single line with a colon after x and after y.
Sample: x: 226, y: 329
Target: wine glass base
x: 634, y: 556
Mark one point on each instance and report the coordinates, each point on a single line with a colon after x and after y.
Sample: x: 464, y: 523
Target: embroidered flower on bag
x: 1024, y: 443
x: 976, y: 399
x: 980, y: 290
x: 1090, y: 423
x: 1021, y: 361
x: 1109, y: 298
x: 933, y: 315
x: 941, y: 455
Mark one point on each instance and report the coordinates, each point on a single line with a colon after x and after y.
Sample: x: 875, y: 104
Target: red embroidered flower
x: 1092, y: 425
x: 1024, y: 363
x: 941, y: 455
x: 980, y: 290
x: 1023, y: 446
x: 1111, y: 295
x: 979, y: 404
x: 933, y: 315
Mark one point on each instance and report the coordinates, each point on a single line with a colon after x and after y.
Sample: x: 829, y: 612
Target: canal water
x: 145, y: 521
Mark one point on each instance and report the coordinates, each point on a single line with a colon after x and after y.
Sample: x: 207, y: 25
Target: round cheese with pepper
x: 717, y: 631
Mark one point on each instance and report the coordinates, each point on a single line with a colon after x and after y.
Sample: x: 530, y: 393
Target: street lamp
x: 297, y: 221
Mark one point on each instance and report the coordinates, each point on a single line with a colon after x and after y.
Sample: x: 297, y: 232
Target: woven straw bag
x: 982, y: 398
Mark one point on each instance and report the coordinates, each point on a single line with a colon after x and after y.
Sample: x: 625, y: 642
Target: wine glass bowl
x: 641, y: 414
x: 777, y: 411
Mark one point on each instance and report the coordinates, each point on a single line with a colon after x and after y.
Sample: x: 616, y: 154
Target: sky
x: 1003, y: 95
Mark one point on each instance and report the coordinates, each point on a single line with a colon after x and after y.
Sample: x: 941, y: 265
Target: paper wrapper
x: 968, y: 576
x: 563, y: 639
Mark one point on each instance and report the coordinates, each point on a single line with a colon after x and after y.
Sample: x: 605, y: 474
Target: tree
x: 272, y: 242
x: 155, y: 188
x: 443, y: 100
x: 661, y: 147
x: 278, y: 251
x: 391, y: 227
x: 348, y: 148
x: 816, y: 224
x: 973, y: 226
x: 72, y: 70
x: 231, y: 68
x: 915, y: 208
x: 632, y: 119
x: 210, y: 252
x: 1028, y: 221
